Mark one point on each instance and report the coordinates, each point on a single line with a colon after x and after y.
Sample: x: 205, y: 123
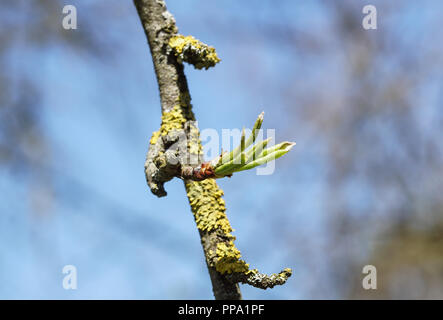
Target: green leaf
x: 256, y: 150
x: 230, y: 167
x: 267, y: 158
x: 239, y: 159
x: 255, y: 130
x: 229, y: 156
x: 280, y: 146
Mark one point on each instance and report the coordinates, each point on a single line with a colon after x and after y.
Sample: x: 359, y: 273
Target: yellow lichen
x: 194, y: 144
x: 207, y: 205
x: 287, y: 271
x: 209, y: 209
x: 193, y: 51
x: 176, y: 119
x: 228, y: 259
x: 155, y: 136
x: 179, y: 42
x: 172, y: 120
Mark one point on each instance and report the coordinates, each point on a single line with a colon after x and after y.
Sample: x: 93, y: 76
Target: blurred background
x: 362, y: 186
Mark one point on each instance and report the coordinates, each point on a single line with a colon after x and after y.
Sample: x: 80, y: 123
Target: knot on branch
x: 162, y: 163
x: 175, y: 150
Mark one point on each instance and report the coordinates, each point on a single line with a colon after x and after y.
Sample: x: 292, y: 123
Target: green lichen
x: 193, y: 51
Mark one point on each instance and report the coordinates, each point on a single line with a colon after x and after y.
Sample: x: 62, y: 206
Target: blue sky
x: 98, y: 115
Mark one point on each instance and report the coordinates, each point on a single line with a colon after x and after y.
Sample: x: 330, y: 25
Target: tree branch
x: 159, y: 26
x: 175, y: 151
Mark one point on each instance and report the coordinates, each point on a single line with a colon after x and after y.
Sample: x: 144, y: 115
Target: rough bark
x: 159, y: 26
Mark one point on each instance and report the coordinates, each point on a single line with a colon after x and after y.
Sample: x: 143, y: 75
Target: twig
x: 178, y: 132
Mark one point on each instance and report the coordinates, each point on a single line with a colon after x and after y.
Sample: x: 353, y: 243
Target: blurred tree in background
x: 27, y: 29
x: 379, y: 121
